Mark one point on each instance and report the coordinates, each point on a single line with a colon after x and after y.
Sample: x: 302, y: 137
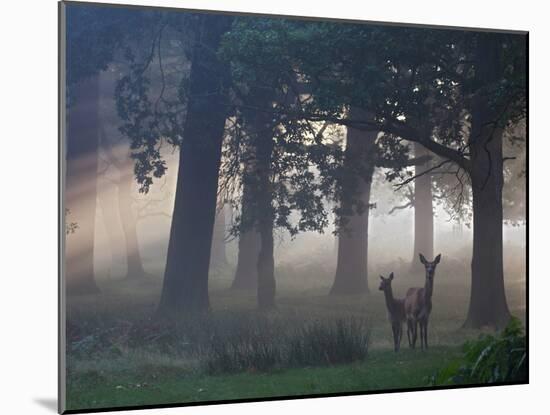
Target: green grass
x: 168, y: 384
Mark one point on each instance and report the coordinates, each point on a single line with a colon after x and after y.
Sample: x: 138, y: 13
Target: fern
x: 490, y: 359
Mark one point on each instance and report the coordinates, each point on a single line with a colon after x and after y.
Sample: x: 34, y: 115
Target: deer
x: 396, y: 310
x: 418, y: 305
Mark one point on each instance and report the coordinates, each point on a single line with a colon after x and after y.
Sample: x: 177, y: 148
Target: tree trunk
x: 266, y: 262
x: 81, y: 185
x: 488, y: 306
x: 106, y: 201
x: 423, y: 212
x: 351, y: 268
x: 218, y: 257
x: 258, y: 193
x: 185, y: 286
x: 246, y: 275
x: 128, y: 219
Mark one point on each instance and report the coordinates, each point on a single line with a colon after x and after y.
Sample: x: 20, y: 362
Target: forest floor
x: 119, y: 356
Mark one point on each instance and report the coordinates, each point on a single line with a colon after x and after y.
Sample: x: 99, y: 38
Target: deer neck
x: 428, y: 289
x: 388, y: 295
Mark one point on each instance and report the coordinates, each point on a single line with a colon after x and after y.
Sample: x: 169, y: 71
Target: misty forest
x: 271, y: 207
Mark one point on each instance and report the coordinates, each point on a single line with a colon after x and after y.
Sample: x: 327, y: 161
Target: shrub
x: 490, y: 359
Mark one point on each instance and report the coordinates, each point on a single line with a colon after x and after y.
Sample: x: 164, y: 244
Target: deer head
x: 430, y: 267
x: 385, y: 283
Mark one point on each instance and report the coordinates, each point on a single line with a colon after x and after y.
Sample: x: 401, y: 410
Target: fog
x: 391, y: 237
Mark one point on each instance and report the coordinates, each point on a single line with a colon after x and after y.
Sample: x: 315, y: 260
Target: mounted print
x: 264, y: 207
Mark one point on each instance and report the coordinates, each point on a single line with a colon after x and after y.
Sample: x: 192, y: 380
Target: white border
x: 29, y: 203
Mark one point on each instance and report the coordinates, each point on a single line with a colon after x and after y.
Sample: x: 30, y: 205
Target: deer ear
x: 437, y: 259
x: 422, y: 259
x: 391, y: 276
x: 381, y: 277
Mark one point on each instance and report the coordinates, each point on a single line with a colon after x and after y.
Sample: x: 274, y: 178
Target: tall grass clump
x: 317, y: 344
x: 234, y: 342
x: 267, y: 346
x: 255, y: 346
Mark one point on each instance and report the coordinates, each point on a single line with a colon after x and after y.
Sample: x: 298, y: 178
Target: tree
x: 177, y: 94
x: 124, y: 181
x: 81, y: 173
x: 278, y: 179
x: 246, y: 273
x: 258, y: 181
x: 353, y: 224
x: 218, y: 257
x: 185, y: 286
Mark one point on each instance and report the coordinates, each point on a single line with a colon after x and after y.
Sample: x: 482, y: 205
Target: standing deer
x: 418, y: 305
x: 396, y: 310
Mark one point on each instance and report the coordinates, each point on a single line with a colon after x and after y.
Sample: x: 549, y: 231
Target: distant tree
x: 122, y: 162
x: 93, y: 35
x: 82, y: 145
x: 218, y: 256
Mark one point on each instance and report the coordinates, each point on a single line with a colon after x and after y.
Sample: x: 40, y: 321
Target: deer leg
x: 421, y: 334
x: 400, y: 332
x: 409, y: 332
x: 426, y: 334
x: 415, y: 333
x: 394, y: 331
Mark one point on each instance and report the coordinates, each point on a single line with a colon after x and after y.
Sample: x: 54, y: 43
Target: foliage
x: 95, y: 33
x: 490, y: 359
x: 70, y: 227
x: 396, y: 76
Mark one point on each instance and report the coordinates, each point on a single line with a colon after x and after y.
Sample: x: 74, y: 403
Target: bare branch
x: 401, y: 207
x: 431, y: 169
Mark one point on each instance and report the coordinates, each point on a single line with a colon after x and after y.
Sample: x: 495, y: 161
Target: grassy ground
x: 169, y: 384
x: 132, y: 360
